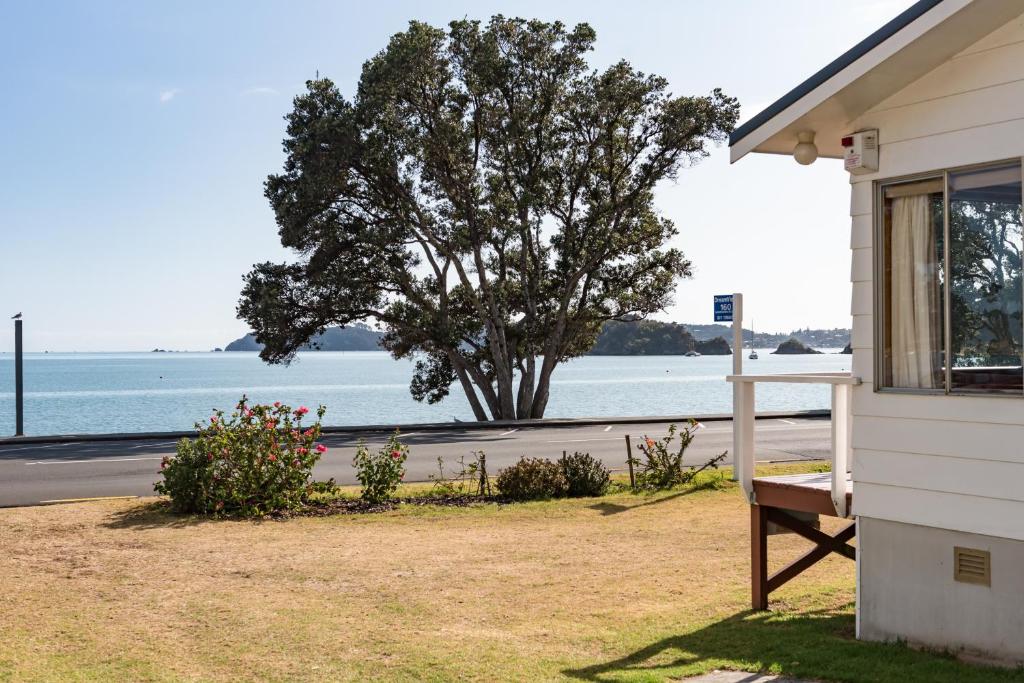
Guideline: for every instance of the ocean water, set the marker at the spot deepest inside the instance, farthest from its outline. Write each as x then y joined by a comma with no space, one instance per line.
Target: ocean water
130,392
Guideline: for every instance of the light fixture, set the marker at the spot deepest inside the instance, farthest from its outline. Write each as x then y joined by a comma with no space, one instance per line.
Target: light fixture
805,152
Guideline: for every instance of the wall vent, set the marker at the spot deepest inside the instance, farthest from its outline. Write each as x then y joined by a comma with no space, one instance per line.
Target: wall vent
972,566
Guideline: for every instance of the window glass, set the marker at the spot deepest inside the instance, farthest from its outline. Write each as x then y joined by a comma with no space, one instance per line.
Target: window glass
986,243
913,234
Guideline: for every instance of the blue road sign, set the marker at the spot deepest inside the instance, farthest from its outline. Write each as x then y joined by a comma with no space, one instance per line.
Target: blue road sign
723,308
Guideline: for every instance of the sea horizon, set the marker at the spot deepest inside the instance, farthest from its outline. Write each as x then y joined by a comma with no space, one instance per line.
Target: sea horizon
103,392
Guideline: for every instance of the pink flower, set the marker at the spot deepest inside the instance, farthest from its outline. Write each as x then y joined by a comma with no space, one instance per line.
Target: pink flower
301,451
271,424
248,413
272,458
320,448
396,454
213,420
301,410
277,404
295,462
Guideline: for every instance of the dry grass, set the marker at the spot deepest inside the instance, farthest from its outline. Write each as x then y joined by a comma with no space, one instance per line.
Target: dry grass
122,591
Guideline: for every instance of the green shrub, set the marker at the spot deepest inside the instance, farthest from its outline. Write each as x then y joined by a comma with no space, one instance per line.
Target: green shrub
257,460
380,473
584,474
532,479
662,467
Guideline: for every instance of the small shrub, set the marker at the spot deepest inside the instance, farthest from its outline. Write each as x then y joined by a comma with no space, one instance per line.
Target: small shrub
662,468
257,460
532,479
584,474
470,480
380,473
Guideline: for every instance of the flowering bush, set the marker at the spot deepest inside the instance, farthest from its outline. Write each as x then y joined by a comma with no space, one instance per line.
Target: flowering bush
662,468
380,473
257,460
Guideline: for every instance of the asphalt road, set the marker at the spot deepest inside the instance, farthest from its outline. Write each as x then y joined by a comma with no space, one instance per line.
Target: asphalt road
31,474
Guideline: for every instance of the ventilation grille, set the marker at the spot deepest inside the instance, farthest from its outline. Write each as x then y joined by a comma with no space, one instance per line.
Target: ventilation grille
972,566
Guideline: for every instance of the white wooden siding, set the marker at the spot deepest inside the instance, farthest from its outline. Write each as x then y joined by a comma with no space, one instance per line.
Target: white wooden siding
945,461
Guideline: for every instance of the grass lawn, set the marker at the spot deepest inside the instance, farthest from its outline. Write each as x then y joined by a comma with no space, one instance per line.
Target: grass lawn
619,588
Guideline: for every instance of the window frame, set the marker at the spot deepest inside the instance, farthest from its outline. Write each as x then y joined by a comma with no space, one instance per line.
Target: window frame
879,292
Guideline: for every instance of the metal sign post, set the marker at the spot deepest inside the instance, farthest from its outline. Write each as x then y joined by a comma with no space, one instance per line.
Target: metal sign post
19,383
729,308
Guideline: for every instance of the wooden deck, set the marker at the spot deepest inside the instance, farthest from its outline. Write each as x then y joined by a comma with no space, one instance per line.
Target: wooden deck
777,498
803,492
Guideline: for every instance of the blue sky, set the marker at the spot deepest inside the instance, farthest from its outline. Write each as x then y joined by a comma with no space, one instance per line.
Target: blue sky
136,138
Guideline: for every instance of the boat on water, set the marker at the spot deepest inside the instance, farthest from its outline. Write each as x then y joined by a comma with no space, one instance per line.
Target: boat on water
753,351
691,354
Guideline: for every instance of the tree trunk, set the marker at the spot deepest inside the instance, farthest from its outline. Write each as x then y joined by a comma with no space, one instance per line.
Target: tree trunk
467,388
524,407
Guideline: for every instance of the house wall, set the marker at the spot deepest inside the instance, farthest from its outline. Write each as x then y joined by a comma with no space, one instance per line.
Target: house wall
934,472
911,594
954,462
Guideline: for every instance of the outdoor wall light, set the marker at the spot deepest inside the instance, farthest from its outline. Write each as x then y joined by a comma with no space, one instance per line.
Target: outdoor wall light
805,152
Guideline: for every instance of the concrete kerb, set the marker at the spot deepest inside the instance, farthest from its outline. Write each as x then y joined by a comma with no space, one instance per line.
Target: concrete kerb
424,427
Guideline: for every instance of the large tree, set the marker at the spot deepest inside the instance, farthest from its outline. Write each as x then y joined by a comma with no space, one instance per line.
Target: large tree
485,196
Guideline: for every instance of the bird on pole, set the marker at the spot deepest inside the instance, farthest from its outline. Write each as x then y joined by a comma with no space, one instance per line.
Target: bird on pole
16,317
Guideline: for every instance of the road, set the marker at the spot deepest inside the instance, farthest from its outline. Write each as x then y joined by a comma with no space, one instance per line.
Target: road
31,474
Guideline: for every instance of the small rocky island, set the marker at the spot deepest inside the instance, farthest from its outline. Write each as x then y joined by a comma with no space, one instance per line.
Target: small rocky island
794,346
848,349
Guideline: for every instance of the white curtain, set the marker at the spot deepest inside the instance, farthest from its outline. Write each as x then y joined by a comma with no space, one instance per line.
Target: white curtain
914,293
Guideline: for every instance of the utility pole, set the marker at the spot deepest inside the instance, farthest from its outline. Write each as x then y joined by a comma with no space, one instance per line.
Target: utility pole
19,381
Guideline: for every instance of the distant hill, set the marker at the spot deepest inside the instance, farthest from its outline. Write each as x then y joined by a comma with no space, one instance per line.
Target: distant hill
356,337
617,338
835,338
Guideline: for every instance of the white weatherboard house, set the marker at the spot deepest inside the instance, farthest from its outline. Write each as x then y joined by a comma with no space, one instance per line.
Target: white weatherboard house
927,114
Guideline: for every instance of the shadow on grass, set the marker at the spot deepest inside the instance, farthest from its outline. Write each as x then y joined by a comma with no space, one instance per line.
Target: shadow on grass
607,509
153,515
817,645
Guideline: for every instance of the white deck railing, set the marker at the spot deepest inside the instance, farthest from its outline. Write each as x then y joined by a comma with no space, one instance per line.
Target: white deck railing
842,418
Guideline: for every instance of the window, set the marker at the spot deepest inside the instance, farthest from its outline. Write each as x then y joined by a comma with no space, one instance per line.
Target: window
951,282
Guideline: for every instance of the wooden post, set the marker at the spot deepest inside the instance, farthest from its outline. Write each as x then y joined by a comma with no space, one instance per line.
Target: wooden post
840,445
758,557
19,382
629,461
737,368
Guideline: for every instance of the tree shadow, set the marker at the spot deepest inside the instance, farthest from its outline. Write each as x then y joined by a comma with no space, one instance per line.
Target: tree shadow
155,514
818,644
607,509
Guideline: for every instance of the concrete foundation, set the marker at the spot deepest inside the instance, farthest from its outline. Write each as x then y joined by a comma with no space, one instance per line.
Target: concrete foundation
908,591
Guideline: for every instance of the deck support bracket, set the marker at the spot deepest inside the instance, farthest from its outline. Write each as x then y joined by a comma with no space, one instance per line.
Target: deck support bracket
761,583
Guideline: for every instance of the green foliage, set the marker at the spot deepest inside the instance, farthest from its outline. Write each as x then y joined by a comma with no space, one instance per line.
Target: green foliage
662,467
419,203
584,474
533,479
380,473
257,460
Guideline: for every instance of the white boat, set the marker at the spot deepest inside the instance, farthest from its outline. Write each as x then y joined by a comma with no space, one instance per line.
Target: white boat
753,351
691,354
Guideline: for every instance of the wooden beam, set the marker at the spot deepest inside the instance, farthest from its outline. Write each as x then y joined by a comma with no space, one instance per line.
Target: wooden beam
836,544
759,557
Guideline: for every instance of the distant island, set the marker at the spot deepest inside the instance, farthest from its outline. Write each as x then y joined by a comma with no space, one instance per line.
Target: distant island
617,338
653,338
794,346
